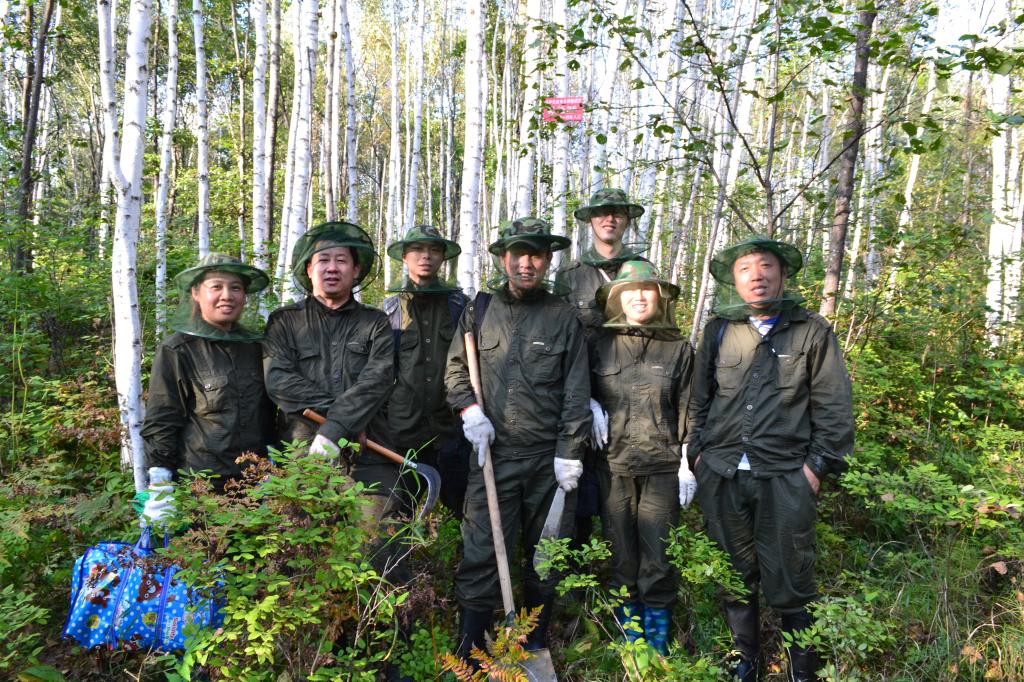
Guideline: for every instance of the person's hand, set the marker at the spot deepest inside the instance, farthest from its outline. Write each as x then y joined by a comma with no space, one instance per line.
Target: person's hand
567,473
478,430
687,482
812,479
322,445
158,505
599,427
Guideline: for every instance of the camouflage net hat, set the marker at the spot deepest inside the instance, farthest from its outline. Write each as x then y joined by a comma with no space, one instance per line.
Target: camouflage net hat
609,198
187,317
254,278
533,231
424,234
328,236
632,274
788,255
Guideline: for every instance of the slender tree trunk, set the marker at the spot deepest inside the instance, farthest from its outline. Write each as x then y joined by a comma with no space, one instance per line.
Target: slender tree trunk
848,164
560,167
35,69
472,160
169,120
127,178
1003,240
203,141
527,147
270,138
350,121
259,135
394,148
417,113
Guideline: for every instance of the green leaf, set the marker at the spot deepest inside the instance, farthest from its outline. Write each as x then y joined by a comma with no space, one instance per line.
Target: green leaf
41,673
909,128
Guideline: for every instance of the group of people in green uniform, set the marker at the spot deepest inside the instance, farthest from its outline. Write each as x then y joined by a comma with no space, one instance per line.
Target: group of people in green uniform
585,384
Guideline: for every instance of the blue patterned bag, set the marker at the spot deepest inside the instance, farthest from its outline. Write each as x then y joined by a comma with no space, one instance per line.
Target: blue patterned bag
125,595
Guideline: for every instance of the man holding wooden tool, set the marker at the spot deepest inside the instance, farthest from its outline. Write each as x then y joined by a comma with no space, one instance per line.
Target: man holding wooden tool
535,390
335,356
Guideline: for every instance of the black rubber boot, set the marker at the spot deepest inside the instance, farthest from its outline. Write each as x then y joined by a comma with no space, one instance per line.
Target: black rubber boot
745,624
803,663
472,626
538,638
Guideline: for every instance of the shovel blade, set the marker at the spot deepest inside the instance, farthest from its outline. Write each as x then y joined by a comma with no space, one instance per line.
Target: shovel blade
539,668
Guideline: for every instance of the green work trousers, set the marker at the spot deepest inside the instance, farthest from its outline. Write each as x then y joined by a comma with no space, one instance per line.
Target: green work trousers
525,488
637,515
766,525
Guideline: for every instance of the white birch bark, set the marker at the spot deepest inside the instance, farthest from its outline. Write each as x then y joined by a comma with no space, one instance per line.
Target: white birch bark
560,165
417,117
334,135
169,118
352,198
394,148
1003,239
609,67
527,148
203,136
269,137
306,61
472,160
127,178
285,241
259,135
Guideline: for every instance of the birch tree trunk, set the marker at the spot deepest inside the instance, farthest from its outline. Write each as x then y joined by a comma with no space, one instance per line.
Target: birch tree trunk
560,167
350,121
203,138
306,73
259,134
848,165
126,164
417,118
169,118
472,160
395,147
1003,239
270,137
527,148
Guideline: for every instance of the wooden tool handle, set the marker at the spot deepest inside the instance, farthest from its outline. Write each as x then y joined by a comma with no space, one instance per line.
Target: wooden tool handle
493,510
314,416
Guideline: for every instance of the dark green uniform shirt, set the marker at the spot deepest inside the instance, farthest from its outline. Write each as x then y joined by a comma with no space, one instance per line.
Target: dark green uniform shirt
337,362
642,379
534,371
206,405
784,399
417,410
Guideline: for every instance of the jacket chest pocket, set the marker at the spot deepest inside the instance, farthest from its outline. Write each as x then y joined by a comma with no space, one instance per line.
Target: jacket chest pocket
491,354
543,358
791,374
213,394
664,378
607,382
356,355
729,373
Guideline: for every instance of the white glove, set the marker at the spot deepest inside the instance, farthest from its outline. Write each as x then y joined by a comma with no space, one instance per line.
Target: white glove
599,427
159,504
567,473
322,445
687,482
478,429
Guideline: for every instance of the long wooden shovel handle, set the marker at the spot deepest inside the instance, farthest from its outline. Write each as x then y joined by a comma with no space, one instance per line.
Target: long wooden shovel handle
314,416
493,510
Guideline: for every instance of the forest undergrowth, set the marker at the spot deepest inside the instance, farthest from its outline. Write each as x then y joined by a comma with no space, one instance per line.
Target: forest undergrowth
921,544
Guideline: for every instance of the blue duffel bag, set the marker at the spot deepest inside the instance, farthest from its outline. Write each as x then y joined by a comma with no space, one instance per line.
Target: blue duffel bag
125,595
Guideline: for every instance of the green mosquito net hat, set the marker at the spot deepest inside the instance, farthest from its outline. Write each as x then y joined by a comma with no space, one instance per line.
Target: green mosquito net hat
634,274
328,236
533,233
400,280
609,198
187,317
728,302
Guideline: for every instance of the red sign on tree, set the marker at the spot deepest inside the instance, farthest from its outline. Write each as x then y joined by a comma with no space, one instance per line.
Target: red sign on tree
563,109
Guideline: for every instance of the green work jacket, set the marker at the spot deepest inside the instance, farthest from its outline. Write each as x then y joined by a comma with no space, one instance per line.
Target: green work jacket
642,380
423,326
582,281
206,405
785,400
536,384
339,362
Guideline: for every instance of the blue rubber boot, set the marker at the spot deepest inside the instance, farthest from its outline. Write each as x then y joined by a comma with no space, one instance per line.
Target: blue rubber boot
630,617
656,626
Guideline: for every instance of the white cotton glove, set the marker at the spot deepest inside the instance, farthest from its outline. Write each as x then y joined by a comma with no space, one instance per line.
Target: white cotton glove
599,427
322,445
567,473
478,430
687,481
159,505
